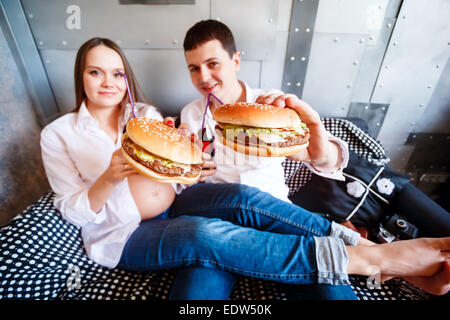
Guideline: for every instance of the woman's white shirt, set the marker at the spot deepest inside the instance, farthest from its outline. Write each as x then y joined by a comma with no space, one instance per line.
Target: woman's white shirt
75,152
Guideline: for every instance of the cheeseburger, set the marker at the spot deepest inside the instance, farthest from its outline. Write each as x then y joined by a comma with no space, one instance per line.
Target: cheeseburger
160,152
260,129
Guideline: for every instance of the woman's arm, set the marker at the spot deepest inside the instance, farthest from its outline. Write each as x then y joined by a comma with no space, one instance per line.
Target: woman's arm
102,189
72,197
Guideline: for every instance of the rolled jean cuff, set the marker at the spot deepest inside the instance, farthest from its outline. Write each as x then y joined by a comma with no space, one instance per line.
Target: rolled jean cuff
350,237
332,261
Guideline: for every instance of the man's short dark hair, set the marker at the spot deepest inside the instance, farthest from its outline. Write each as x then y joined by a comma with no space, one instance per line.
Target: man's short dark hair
207,30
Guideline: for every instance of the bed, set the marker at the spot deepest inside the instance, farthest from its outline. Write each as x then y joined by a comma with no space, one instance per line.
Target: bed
42,255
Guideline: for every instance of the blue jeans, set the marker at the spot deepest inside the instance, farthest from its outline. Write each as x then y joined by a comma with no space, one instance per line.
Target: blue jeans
200,283
240,229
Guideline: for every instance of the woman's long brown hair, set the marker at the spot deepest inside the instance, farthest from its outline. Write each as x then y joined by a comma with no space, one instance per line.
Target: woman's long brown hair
136,92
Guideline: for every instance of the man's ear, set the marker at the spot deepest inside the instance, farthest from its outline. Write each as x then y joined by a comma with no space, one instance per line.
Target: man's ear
237,61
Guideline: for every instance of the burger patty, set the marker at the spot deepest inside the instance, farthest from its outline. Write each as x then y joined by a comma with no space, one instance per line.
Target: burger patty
254,141
157,166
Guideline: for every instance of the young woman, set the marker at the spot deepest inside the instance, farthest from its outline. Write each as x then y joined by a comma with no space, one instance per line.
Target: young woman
134,223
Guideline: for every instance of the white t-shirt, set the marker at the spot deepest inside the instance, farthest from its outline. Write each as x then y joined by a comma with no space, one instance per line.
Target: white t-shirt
75,152
265,173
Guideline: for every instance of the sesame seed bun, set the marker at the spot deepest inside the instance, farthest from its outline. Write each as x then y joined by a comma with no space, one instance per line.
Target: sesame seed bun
163,141
257,115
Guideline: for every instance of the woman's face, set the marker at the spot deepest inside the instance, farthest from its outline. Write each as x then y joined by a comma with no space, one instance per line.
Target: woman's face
103,82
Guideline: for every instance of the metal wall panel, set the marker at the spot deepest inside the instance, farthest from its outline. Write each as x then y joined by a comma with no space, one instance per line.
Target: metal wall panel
253,23
20,41
272,71
152,37
410,73
132,26
332,70
299,46
437,113
352,17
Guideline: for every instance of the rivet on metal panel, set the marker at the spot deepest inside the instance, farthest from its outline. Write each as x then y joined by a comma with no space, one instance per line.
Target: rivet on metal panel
438,66
288,84
383,108
421,105
41,43
355,63
242,53
336,39
349,86
308,30
298,84
303,59
429,86
296,30
403,17
378,124
147,42
174,41
371,38
362,40
388,25
218,19
386,66
366,107
395,43
292,58
270,20
381,85
413,123
31,16
64,43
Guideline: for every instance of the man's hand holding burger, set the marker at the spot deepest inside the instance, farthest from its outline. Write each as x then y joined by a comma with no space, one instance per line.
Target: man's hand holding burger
321,153
209,165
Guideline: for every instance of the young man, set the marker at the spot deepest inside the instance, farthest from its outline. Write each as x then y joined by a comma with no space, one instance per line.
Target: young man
213,61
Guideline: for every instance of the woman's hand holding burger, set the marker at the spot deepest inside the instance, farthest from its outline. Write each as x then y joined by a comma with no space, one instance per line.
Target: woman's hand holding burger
323,154
209,165
118,168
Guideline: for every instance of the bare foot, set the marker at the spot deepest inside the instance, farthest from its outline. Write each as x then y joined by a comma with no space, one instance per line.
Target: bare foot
439,284
409,258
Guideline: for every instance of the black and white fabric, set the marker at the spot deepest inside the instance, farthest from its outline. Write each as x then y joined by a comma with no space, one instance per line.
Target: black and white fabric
359,141
365,197
42,257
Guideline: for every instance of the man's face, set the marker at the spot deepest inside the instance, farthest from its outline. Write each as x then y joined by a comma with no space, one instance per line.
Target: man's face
213,71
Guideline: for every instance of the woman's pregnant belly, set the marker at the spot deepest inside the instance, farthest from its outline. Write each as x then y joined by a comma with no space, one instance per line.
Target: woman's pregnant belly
151,197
